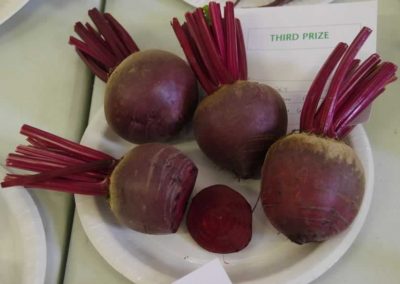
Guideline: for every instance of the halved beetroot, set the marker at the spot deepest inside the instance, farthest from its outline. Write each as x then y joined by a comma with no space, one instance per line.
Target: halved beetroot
220,219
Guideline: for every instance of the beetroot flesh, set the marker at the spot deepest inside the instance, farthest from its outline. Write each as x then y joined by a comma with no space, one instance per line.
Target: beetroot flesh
312,183
238,120
148,188
219,219
236,125
150,95
312,187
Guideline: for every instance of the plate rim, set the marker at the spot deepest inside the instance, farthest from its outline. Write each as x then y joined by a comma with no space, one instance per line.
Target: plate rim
13,7
311,274
35,227
191,3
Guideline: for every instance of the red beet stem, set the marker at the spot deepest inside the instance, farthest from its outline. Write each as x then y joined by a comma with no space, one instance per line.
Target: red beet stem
96,43
218,59
126,39
350,73
345,130
96,34
60,164
314,94
241,51
214,58
202,47
108,34
352,89
84,49
106,48
215,49
327,109
192,57
217,28
29,180
49,157
357,76
372,87
231,40
41,164
94,66
72,148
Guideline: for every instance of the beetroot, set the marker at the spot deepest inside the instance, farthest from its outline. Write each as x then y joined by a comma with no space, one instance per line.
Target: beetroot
150,95
312,187
312,182
148,188
220,219
238,120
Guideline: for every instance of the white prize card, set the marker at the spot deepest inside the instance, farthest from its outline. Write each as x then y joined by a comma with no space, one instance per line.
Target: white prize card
287,45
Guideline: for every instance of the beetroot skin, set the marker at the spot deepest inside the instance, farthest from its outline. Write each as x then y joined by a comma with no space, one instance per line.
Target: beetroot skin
219,219
150,96
313,183
147,189
236,125
238,121
150,186
312,187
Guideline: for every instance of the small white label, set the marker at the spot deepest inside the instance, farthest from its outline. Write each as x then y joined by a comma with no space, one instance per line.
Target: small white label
210,273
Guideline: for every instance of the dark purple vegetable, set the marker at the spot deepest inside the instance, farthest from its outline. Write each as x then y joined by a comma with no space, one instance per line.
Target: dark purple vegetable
150,95
312,182
148,188
238,120
220,219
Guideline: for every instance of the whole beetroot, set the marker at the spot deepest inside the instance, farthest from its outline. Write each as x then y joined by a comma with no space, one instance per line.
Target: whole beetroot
236,125
150,95
238,120
312,182
312,187
148,188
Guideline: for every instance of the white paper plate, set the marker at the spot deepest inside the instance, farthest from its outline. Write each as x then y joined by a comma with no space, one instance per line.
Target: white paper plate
22,238
9,8
255,3
269,258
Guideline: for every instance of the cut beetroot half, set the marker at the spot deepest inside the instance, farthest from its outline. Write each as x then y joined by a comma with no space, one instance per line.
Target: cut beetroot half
220,219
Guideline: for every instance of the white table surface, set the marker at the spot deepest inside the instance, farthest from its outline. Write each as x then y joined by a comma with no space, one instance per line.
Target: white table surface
375,255
43,83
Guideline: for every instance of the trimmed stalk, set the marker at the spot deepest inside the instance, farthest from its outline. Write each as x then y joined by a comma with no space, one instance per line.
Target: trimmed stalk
354,86
104,49
327,109
60,164
215,50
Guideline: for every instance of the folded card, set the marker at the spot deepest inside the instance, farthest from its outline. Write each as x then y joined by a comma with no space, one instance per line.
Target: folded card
287,45
210,273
